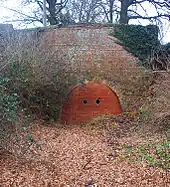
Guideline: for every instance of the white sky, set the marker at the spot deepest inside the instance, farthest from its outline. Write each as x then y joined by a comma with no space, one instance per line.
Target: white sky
6,14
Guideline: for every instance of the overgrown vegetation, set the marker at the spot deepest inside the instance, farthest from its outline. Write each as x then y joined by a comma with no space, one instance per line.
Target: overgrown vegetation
138,39
36,77
34,81
9,101
155,155
40,76
142,42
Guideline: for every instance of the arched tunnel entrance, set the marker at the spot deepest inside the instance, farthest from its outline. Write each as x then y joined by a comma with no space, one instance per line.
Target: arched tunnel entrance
89,101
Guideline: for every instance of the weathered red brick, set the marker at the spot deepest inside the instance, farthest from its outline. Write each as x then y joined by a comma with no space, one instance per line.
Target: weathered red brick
88,101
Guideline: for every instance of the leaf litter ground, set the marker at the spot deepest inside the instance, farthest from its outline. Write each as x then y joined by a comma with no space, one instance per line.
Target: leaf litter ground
81,155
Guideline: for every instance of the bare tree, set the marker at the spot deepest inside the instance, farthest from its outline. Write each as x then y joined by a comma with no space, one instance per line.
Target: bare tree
129,10
109,9
24,17
70,11
85,11
111,5
54,9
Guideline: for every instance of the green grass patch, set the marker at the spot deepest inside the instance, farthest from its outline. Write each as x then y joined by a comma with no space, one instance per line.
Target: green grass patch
155,155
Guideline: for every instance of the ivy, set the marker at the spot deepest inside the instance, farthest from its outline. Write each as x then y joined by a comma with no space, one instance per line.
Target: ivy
9,101
137,39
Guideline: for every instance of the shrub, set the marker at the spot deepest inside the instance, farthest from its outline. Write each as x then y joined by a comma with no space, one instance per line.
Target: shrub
40,76
159,58
9,102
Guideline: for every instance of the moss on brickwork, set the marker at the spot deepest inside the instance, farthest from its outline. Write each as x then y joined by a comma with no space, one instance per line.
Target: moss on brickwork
137,39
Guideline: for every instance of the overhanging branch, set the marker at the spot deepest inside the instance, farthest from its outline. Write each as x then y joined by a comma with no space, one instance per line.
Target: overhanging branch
150,17
21,13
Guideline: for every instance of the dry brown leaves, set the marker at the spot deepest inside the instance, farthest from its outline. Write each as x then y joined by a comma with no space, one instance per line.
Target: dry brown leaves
79,156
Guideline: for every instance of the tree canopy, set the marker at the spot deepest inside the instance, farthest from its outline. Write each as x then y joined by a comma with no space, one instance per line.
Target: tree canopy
129,10
69,12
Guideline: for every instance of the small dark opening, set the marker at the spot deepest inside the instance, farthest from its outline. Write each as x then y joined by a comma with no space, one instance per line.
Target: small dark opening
98,101
85,101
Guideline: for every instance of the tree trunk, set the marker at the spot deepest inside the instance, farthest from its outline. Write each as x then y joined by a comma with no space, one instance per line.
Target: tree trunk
111,11
52,10
124,12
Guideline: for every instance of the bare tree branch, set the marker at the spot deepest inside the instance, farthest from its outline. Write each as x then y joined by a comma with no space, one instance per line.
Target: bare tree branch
150,17
22,14
162,7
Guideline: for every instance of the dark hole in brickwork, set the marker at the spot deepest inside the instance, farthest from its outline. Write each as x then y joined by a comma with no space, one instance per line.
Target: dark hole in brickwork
85,101
98,101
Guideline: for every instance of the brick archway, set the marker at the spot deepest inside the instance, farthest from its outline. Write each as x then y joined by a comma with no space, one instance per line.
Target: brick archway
89,101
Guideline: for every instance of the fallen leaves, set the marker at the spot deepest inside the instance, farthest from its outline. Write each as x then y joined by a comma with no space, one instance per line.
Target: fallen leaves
79,156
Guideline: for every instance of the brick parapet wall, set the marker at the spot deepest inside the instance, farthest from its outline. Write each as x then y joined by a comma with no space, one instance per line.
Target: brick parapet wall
87,44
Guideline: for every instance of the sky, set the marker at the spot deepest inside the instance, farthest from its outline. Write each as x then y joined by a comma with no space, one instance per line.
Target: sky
9,15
